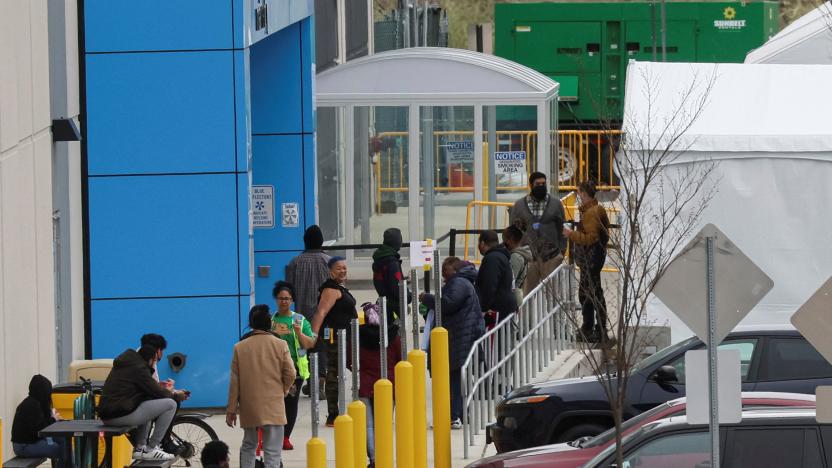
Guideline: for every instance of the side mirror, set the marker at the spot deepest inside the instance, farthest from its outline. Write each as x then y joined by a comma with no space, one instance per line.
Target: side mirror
666,374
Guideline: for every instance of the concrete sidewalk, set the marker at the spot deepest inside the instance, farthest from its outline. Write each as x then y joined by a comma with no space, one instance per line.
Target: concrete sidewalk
566,365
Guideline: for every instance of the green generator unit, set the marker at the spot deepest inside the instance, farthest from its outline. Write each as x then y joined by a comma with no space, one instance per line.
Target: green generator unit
586,46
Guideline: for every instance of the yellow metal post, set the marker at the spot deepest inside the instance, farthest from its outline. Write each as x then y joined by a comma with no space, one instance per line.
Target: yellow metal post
404,415
383,418
316,453
441,378
358,413
418,359
344,444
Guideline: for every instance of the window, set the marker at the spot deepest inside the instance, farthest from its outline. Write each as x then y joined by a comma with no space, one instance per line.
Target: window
686,450
793,358
767,447
745,347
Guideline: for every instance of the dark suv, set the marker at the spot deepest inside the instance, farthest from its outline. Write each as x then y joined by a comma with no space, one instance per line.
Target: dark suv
772,360
765,437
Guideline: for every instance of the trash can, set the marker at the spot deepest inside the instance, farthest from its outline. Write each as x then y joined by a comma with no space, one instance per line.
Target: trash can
63,400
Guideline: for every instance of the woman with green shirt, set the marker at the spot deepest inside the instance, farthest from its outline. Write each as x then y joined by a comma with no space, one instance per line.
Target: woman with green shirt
297,332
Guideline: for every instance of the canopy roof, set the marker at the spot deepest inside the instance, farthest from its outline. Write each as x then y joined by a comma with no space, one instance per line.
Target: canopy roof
807,40
432,76
760,108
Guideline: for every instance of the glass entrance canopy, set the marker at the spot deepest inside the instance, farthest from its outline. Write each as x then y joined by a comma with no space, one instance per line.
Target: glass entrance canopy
408,138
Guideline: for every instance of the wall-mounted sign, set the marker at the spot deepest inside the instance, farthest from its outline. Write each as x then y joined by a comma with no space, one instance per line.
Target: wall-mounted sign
262,206
509,162
459,151
289,215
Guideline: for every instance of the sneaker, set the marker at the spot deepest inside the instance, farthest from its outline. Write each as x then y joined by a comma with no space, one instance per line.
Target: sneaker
330,421
287,444
456,424
157,454
305,389
138,452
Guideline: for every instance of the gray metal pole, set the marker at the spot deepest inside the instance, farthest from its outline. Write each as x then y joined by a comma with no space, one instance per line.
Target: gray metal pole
313,391
342,372
383,338
491,127
414,308
428,173
712,351
403,316
355,364
664,31
425,24
437,289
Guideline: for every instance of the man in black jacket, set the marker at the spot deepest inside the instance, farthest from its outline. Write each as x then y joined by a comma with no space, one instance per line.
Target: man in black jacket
387,272
131,397
494,280
33,414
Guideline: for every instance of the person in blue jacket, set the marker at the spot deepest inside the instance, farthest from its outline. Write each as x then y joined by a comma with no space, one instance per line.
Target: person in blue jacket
462,317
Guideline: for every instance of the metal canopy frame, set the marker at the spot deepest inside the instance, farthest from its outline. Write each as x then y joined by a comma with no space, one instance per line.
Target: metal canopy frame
432,76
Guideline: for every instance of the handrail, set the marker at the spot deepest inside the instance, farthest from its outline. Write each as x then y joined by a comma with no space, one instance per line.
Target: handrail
511,360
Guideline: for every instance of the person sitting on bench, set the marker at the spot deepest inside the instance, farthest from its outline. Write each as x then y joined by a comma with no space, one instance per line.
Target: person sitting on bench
131,397
33,414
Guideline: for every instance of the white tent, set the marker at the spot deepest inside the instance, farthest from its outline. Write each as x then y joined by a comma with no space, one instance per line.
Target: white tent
767,127
808,40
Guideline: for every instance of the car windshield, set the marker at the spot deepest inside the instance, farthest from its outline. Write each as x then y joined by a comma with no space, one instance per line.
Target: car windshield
609,434
649,361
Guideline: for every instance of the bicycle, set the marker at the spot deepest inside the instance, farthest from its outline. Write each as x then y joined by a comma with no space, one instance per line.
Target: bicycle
189,432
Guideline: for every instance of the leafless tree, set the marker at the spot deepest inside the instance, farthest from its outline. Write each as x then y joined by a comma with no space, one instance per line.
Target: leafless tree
661,202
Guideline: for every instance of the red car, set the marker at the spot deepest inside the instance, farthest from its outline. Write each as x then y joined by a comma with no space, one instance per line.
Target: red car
574,454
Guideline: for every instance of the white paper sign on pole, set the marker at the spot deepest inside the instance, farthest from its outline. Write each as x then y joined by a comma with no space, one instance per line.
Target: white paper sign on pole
729,386
421,253
459,151
509,162
262,204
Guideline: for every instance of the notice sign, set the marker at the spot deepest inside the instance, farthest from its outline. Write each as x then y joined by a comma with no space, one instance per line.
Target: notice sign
262,204
459,151
421,254
289,218
509,162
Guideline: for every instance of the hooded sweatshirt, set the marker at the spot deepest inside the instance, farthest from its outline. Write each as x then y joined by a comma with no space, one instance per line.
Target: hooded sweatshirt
494,281
387,275
129,384
34,413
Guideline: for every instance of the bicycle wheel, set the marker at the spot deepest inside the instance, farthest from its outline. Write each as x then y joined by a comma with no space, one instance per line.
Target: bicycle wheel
194,432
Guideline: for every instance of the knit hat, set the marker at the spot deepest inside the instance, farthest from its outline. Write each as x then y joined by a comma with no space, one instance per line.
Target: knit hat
313,238
393,238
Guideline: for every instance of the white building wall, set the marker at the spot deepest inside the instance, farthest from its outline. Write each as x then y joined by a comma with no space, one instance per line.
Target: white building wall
27,316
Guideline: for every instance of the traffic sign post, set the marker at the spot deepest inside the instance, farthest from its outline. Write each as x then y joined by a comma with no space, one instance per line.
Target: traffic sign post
681,289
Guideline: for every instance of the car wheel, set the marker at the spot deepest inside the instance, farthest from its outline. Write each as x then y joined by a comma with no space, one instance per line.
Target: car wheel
579,431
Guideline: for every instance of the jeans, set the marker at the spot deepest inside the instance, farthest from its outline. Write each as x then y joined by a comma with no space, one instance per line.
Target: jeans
272,446
159,411
456,394
49,448
371,433
591,294
291,404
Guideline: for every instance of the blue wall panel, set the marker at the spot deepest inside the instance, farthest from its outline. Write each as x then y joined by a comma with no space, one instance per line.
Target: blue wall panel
276,100
307,30
239,31
310,180
199,328
240,110
163,236
263,286
278,161
160,113
148,25
242,227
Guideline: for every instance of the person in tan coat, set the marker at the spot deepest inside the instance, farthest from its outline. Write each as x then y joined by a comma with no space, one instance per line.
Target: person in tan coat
262,373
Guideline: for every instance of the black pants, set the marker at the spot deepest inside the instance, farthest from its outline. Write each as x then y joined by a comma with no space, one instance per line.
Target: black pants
456,394
331,383
591,294
291,403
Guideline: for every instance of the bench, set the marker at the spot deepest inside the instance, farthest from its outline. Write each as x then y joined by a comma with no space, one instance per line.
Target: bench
150,463
20,462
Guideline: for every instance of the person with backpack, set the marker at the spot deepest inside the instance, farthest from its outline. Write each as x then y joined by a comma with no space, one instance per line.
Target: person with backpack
521,255
293,328
590,250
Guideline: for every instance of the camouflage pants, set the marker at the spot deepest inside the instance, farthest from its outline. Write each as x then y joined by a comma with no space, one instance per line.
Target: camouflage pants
331,381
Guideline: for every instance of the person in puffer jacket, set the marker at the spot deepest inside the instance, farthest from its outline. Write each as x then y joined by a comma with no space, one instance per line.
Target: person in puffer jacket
462,317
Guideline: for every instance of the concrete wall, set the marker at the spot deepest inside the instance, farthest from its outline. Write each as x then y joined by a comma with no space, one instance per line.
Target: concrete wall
27,318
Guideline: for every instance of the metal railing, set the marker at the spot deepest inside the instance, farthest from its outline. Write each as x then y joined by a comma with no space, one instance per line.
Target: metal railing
517,349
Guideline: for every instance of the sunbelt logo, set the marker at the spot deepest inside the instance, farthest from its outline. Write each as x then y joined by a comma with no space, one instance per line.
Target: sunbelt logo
729,22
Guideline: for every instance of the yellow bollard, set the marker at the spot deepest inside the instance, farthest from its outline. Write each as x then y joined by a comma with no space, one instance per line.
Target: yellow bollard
316,453
358,413
404,415
418,359
383,418
344,445
441,377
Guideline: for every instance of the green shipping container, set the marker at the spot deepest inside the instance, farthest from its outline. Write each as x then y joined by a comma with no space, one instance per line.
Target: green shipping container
586,46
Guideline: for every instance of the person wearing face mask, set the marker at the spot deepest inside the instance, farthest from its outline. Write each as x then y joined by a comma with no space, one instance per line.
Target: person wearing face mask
540,216
336,309
387,272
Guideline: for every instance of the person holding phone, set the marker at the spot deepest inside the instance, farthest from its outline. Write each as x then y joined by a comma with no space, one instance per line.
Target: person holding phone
297,332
